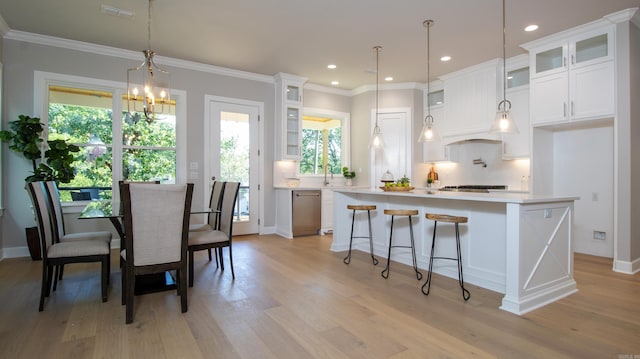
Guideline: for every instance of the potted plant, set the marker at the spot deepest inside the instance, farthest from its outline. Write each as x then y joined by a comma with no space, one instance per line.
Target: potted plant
24,136
349,175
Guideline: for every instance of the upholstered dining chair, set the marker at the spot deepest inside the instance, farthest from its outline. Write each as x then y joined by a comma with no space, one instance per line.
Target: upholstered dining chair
156,224
213,218
53,194
57,253
216,238
215,203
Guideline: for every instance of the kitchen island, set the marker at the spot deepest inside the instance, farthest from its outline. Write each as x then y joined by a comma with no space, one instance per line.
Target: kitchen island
514,243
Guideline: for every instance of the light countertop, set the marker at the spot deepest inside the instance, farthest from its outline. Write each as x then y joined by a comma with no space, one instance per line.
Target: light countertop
494,196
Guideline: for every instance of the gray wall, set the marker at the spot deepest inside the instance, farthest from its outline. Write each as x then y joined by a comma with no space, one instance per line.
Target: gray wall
21,59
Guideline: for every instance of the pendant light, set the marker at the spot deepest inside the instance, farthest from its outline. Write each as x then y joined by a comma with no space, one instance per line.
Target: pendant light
154,96
376,136
428,132
503,122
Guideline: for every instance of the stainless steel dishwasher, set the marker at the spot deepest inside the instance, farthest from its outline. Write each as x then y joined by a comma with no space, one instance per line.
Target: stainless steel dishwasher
306,209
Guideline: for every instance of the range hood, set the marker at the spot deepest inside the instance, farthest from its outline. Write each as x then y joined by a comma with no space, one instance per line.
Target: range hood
472,137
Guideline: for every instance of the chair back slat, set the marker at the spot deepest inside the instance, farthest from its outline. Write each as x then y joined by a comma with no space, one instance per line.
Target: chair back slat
229,197
56,206
155,222
215,202
41,206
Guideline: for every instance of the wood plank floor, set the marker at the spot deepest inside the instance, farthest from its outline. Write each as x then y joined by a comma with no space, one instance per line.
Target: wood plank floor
296,299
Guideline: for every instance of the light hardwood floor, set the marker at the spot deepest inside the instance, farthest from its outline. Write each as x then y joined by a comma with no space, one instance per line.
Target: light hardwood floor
296,299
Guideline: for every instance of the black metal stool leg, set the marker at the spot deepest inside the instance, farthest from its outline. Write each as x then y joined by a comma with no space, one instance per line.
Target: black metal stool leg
386,269
347,259
465,293
373,258
433,245
413,251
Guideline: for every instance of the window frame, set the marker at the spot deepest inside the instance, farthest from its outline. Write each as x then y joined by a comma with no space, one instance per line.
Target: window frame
345,120
42,81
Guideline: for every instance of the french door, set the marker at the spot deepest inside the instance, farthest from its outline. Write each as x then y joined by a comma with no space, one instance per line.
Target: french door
234,156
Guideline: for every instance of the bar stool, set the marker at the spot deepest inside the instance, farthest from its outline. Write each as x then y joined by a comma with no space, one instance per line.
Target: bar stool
450,219
408,213
355,208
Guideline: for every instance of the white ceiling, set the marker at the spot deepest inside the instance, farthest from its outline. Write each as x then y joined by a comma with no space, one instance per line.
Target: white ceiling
301,37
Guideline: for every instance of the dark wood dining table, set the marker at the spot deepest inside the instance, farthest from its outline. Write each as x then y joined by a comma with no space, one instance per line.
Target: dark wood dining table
149,283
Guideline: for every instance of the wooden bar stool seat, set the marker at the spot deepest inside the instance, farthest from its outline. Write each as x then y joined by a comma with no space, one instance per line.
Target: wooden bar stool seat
401,212
456,220
361,207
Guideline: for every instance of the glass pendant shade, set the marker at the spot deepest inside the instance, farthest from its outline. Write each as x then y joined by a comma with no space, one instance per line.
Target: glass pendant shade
376,137
428,131
503,122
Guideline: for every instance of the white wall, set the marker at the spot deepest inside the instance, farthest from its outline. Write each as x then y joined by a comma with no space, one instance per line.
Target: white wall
583,167
21,58
464,172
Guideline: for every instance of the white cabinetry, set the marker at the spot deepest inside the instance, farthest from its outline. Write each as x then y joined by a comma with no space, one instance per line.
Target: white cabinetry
470,102
288,116
517,145
572,76
327,211
437,150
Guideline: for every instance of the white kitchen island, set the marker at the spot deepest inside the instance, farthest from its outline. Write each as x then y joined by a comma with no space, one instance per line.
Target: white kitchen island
514,243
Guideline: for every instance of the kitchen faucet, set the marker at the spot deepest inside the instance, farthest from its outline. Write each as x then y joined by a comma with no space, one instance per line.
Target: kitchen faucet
325,175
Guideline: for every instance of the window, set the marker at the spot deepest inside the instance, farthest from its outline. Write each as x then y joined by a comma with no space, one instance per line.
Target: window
114,145
324,135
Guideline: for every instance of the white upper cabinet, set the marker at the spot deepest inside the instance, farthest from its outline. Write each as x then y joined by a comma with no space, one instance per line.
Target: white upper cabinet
437,150
516,145
572,75
288,116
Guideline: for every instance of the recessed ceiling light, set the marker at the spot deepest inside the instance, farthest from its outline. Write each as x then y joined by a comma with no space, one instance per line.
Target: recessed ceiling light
331,66
530,28
335,83
445,58
388,78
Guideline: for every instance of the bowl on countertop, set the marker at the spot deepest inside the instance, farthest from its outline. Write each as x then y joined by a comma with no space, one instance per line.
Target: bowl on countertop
293,182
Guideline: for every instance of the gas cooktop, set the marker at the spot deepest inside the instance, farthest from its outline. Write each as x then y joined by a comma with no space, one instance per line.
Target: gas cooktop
473,188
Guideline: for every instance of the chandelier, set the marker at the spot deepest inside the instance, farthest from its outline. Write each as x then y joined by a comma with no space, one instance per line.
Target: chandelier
148,85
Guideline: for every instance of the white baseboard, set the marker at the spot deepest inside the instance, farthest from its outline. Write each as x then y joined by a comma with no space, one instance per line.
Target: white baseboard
626,267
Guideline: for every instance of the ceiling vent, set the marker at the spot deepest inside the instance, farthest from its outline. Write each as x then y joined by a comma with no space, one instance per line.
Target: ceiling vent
114,11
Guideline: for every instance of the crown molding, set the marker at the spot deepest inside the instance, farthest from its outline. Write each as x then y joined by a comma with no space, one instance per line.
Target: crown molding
131,55
4,27
327,89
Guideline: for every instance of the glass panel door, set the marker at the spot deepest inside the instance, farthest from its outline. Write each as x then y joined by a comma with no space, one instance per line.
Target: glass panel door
237,146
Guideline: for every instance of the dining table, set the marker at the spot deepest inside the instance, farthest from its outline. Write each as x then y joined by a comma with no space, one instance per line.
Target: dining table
147,283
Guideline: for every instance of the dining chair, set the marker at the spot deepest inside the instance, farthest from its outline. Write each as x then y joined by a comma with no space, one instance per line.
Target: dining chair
215,203
57,253
213,218
216,238
53,193
156,224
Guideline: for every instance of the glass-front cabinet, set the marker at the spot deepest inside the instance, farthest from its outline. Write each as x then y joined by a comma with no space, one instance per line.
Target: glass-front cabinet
289,116
572,76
